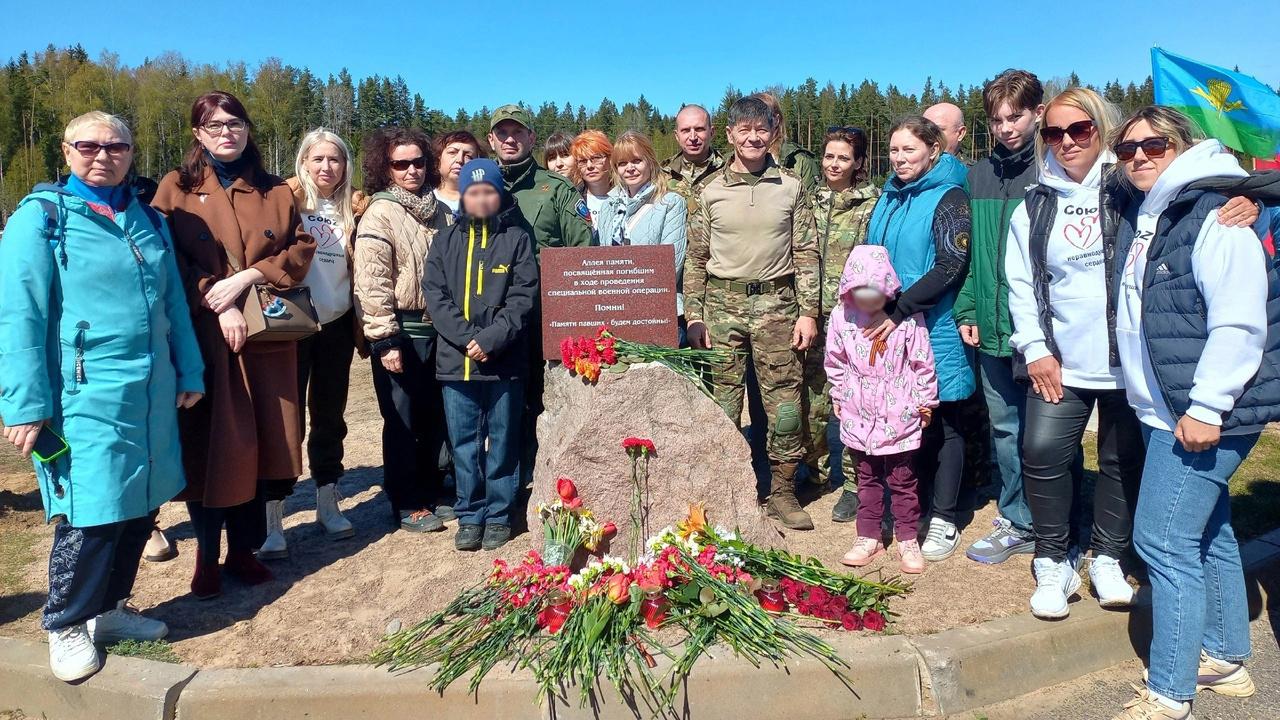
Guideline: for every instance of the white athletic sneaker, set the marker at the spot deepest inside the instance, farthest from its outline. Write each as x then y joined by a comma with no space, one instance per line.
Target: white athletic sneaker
336,527
124,623
274,547
72,655
941,541
1055,582
1108,582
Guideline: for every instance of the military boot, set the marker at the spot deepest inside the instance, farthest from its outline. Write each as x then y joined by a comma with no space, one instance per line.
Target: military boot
783,505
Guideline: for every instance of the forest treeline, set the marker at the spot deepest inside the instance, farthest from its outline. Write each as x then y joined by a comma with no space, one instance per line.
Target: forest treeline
40,92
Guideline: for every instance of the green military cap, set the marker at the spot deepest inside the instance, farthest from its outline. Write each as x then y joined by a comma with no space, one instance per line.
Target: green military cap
511,112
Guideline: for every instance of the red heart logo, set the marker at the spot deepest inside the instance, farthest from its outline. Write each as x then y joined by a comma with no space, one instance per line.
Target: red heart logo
1082,236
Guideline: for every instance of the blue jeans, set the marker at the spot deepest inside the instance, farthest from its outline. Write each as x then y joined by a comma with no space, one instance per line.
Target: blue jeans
1183,531
1007,406
487,480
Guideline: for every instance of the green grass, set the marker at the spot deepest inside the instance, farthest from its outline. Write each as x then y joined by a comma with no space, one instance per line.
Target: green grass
16,553
1255,488
157,650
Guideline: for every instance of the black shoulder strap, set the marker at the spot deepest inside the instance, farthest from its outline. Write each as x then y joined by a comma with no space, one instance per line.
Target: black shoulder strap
154,216
50,215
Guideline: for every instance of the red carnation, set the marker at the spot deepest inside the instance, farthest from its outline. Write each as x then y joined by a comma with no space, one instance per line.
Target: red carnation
566,352
566,489
873,621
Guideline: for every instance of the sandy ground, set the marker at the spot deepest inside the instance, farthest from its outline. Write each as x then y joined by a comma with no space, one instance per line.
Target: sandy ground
332,601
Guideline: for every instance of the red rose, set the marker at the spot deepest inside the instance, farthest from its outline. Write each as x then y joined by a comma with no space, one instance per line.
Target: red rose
566,489
873,621
851,621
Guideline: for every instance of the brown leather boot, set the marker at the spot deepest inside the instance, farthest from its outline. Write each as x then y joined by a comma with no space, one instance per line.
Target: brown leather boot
783,505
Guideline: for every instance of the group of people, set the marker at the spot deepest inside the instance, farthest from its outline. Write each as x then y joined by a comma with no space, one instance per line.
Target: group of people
1087,263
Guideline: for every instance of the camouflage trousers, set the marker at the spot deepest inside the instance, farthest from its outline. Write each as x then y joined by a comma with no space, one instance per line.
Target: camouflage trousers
758,328
817,401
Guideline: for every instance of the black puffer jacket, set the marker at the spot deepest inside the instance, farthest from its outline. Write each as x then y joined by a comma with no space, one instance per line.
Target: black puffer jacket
481,283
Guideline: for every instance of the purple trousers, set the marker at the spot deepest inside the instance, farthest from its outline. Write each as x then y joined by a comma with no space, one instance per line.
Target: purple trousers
895,471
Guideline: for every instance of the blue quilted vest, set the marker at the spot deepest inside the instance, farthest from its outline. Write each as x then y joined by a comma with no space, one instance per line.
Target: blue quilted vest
903,223
1174,315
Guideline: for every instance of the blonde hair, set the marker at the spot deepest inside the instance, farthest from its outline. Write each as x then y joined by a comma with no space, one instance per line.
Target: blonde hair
780,122
96,118
1104,115
1166,122
634,144
342,193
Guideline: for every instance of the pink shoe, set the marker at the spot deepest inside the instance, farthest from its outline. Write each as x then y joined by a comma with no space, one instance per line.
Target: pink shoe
864,550
912,562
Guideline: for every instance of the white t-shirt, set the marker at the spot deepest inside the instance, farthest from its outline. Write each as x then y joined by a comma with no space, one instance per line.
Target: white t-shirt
328,277
451,203
595,203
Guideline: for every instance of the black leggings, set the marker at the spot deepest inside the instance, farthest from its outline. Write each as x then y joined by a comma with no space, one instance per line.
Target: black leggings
940,461
1050,445
246,527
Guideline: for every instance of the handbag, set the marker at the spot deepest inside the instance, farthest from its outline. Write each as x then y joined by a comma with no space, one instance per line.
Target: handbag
277,315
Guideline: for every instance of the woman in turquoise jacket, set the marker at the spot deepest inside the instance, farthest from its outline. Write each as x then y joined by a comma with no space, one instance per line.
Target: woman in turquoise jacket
96,342
923,219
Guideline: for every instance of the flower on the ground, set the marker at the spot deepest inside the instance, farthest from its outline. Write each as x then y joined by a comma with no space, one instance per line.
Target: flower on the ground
618,588
873,620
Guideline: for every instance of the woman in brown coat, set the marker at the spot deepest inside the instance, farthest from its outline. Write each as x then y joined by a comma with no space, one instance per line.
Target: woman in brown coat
234,226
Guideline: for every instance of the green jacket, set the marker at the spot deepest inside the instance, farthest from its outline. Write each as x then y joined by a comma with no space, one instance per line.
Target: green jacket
997,186
684,178
795,158
842,220
547,206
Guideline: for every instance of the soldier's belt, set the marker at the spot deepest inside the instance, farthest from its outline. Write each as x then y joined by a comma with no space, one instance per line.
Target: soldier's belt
752,287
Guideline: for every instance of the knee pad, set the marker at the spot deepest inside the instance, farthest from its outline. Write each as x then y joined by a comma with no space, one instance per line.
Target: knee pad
788,421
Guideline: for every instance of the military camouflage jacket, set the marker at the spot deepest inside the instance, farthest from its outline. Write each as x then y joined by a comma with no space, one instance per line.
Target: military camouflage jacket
685,178
841,219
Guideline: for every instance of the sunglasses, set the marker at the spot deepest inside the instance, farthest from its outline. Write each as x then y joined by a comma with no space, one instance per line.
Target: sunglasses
89,149
402,165
1152,147
1079,132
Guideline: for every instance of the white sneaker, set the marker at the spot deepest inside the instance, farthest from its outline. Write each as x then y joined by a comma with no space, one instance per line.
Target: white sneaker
1109,583
941,541
124,624
274,547
1055,582
72,655
336,527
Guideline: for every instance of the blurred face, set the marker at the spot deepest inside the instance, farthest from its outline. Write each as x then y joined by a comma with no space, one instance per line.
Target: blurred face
909,156
869,300
693,132
408,167
326,166
224,135
452,158
99,156
1143,169
481,200
511,141
838,164
1076,156
635,172
594,171
1014,127
750,140
563,164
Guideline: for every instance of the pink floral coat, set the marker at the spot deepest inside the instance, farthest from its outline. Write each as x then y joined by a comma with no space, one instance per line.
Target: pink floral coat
878,401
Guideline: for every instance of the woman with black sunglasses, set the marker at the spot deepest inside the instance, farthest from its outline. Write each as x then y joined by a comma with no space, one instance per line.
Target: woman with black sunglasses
392,240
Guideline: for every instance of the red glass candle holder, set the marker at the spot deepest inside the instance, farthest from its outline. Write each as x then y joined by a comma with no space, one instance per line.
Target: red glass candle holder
654,608
559,605
770,596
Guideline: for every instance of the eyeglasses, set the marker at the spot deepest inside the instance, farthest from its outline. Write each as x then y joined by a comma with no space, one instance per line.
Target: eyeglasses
1152,147
594,160
402,165
215,127
89,149
1079,132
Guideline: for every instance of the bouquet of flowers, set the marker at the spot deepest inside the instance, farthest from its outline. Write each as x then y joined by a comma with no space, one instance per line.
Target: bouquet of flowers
586,356
567,525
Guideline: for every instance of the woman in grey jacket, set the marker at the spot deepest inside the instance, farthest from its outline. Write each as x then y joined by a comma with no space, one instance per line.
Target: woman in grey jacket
639,212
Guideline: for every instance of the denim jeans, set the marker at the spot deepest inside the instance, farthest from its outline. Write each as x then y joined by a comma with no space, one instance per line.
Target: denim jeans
1183,531
487,473
1007,407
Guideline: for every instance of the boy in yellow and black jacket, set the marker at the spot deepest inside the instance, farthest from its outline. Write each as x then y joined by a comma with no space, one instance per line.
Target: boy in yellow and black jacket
481,284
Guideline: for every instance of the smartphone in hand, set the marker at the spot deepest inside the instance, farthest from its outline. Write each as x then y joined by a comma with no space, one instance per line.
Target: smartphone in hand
49,445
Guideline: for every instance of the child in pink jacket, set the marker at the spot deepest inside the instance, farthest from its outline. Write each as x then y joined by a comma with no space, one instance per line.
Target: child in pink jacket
884,392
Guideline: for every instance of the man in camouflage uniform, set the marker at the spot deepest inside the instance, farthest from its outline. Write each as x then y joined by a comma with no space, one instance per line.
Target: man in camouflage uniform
841,218
547,202
751,286
697,160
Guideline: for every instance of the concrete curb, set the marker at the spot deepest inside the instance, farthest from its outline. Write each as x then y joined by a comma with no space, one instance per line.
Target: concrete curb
891,677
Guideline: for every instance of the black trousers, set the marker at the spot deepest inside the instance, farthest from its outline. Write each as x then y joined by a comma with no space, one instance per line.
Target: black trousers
324,377
91,569
414,448
1050,446
940,460
246,526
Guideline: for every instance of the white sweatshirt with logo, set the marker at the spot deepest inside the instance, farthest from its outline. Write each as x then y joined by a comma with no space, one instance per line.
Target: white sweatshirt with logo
1077,281
329,277
1229,266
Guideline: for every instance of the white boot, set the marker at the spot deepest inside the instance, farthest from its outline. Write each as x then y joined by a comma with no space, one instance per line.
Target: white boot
336,527
274,547
72,655
158,548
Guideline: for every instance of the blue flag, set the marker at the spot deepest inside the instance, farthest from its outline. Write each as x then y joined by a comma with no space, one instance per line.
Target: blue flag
1233,107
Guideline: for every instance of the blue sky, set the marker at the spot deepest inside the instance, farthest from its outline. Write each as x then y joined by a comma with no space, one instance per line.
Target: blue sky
477,52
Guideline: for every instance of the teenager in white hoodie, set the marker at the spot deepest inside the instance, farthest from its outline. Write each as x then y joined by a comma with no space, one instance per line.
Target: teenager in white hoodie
1192,330
1059,253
